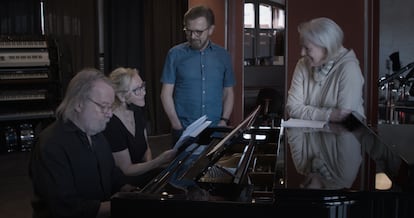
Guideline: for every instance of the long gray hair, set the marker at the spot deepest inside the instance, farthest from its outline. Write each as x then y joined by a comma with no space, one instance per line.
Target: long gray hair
78,91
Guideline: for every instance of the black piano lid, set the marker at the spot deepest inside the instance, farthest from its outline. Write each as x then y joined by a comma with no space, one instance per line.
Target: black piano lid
400,138
349,157
193,162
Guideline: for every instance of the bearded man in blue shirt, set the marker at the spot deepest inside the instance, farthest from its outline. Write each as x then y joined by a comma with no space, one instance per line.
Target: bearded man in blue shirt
198,77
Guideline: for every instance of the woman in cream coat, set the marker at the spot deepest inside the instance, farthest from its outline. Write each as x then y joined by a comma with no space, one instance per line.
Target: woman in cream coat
327,82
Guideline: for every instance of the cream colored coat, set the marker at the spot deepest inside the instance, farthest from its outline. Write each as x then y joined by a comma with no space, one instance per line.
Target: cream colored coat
312,97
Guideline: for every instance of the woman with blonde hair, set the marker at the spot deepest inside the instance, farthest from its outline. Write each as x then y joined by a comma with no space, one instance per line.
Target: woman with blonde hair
126,131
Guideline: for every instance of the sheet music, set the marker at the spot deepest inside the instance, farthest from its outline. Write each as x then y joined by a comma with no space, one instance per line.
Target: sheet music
303,123
193,130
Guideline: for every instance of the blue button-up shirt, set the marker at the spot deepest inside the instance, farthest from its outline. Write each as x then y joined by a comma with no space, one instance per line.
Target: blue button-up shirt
199,78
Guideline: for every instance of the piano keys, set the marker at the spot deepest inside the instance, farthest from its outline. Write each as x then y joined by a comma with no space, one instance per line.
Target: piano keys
24,53
23,95
23,44
27,73
23,76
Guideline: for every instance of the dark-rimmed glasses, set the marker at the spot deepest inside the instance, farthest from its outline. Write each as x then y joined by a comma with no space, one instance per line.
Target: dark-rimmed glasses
104,109
139,90
197,33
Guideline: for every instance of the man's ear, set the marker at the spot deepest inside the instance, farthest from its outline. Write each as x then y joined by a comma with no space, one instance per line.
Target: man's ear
211,29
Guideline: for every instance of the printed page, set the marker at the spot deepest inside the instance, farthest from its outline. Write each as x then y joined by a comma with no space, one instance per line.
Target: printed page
303,123
193,130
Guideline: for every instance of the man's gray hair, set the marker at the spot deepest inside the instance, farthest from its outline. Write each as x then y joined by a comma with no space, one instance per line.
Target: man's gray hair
78,91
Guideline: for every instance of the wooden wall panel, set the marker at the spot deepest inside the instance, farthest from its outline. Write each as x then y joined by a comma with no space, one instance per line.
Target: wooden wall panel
233,23
219,13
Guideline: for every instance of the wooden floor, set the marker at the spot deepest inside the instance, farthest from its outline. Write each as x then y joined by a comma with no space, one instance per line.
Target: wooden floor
15,186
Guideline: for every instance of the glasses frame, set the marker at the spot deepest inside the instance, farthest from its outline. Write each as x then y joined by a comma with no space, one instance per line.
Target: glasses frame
140,89
197,33
103,109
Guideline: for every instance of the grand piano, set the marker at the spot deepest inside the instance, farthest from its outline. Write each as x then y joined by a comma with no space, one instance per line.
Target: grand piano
340,170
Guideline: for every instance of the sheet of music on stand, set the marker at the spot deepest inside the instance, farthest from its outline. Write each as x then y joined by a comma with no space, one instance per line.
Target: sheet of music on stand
193,130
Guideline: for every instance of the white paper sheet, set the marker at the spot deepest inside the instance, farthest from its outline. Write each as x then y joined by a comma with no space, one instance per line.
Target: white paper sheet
303,123
193,130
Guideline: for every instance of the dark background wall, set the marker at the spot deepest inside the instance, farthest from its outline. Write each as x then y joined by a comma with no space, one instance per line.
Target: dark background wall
139,33
136,34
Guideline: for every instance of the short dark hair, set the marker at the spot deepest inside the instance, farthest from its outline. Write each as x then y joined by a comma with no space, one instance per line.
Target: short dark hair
199,11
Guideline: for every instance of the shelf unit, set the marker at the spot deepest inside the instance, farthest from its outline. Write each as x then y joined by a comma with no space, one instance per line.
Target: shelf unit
30,89
264,50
